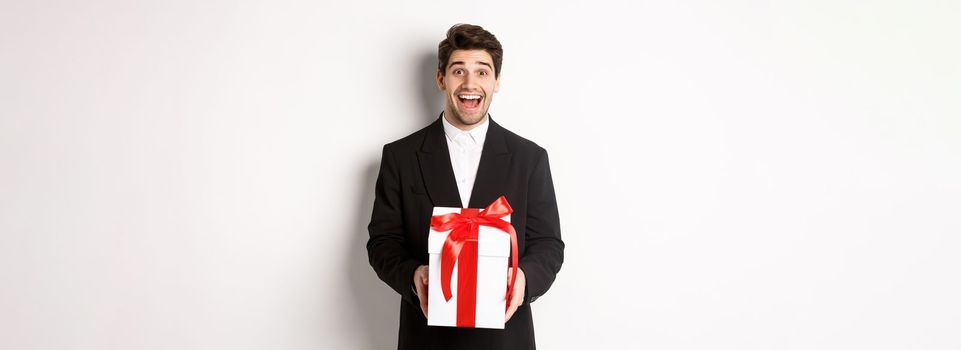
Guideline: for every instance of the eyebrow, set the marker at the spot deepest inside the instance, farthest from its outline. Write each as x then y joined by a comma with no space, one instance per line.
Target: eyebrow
462,62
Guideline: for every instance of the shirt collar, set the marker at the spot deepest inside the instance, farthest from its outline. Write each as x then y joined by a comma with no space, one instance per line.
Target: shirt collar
478,133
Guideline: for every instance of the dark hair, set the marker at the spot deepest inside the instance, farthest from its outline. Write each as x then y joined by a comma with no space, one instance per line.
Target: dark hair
469,37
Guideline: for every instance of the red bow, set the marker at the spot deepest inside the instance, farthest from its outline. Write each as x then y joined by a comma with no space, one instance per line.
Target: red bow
464,227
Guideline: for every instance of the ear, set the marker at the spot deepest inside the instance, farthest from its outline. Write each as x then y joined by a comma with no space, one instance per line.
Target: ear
440,81
497,84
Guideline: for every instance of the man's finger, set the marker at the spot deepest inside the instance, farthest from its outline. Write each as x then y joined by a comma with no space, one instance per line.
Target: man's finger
511,309
422,298
510,312
517,294
426,291
423,307
513,304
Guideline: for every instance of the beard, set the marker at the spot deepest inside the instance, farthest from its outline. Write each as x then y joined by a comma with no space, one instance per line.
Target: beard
466,119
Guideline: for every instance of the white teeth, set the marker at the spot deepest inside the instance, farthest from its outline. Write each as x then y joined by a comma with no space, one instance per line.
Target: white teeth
469,97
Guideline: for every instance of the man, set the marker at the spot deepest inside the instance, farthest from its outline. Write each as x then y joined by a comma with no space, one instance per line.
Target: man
464,159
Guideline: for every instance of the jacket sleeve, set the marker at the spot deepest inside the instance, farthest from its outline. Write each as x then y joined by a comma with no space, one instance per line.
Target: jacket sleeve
386,247
544,249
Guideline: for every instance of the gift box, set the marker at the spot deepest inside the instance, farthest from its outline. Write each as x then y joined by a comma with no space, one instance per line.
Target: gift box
469,250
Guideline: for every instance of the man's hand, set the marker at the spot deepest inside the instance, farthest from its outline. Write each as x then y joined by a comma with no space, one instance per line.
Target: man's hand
420,285
517,294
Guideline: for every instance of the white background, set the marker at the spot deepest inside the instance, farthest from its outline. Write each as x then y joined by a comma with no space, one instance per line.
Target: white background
730,174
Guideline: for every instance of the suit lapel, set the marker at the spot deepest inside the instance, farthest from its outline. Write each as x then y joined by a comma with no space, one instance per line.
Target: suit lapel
492,171
435,168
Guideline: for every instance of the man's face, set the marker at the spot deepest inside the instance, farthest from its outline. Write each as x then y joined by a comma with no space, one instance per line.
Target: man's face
470,85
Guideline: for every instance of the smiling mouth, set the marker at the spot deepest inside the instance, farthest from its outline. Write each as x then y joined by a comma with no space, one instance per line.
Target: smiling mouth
469,102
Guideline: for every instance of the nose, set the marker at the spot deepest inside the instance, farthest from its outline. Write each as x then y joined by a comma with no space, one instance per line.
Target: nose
468,80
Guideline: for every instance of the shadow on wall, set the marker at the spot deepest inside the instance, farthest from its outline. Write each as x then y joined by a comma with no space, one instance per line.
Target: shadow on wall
378,306
432,100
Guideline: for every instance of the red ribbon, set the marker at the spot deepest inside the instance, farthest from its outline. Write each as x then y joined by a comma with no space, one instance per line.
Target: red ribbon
461,246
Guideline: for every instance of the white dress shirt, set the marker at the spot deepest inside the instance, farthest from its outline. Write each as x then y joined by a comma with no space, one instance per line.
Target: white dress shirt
465,151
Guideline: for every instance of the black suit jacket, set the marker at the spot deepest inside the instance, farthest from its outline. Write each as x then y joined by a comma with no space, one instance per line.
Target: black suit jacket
416,176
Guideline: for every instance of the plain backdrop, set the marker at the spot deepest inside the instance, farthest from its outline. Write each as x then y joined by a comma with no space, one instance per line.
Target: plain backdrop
730,174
